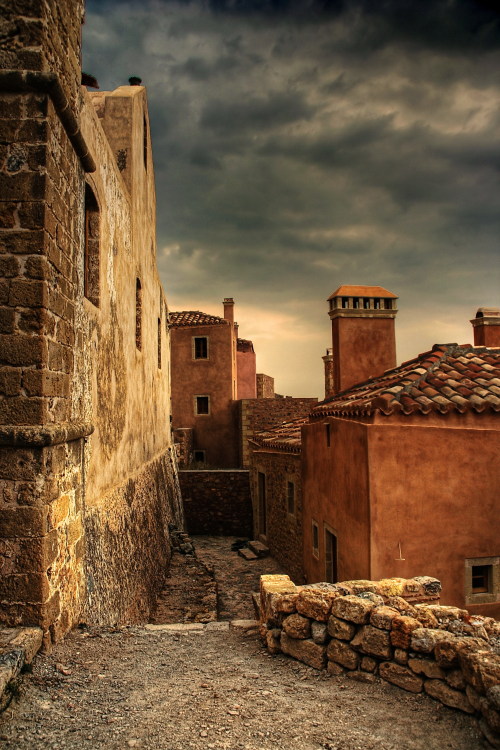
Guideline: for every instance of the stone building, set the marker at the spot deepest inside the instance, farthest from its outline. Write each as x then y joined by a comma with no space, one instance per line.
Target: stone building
397,471
87,475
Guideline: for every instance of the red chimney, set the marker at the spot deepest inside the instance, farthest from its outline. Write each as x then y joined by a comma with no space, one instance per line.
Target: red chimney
229,309
486,326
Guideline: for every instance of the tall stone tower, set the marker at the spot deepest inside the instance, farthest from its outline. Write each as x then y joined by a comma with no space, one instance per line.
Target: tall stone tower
363,338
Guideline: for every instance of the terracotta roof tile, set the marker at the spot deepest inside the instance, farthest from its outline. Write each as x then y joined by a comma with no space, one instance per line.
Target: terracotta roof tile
347,290
194,318
284,437
448,378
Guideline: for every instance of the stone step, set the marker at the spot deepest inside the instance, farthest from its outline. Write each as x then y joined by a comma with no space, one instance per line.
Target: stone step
258,548
247,554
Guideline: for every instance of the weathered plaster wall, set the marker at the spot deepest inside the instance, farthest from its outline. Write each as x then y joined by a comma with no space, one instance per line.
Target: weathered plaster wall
284,529
259,414
441,506
363,347
335,483
217,502
216,432
246,372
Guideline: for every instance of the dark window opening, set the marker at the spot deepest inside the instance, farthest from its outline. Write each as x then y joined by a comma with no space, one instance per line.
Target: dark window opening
376,304
290,497
355,303
481,579
159,343
366,303
138,314
201,347
328,436
199,457
202,404
345,302
91,250
387,304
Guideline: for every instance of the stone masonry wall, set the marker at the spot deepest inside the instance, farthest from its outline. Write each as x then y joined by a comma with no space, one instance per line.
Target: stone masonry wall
260,413
217,502
283,529
393,629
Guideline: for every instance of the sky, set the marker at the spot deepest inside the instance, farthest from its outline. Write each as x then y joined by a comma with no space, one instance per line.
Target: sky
301,145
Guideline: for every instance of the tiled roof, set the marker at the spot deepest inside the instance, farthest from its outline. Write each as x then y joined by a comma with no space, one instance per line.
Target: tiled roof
450,378
361,291
285,436
194,318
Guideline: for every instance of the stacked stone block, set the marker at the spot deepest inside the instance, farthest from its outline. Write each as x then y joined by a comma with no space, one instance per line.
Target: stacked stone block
394,628
217,502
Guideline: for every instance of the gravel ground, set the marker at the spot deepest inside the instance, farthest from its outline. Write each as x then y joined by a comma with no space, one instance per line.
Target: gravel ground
163,690
136,687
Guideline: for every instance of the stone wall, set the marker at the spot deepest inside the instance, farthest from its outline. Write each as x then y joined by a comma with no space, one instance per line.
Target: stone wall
265,385
217,502
283,529
85,445
393,629
261,413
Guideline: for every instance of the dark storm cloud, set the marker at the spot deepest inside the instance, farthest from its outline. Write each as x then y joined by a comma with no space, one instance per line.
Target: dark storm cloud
300,145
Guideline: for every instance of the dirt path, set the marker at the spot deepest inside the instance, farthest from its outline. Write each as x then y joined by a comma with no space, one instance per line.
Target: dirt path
162,688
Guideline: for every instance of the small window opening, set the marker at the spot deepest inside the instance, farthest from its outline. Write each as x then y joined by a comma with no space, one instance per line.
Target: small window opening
328,436
202,404
355,303
199,457
200,347
315,539
345,302
91,250
145,142
290,496
481,579
138,314
376,304
159,343
387,304
366,303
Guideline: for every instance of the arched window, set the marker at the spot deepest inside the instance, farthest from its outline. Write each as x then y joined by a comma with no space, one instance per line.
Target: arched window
138,314
91,250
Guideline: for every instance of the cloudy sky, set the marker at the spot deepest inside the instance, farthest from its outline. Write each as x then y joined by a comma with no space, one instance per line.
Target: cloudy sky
303,145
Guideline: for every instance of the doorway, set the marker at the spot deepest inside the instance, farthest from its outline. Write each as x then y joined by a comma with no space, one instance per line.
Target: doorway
331,574
262,503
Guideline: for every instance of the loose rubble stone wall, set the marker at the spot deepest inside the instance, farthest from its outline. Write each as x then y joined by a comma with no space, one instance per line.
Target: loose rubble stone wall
261,413
394,629
217,502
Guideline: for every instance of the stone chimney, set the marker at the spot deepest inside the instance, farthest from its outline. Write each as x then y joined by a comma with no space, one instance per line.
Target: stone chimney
486,327
329,379
229,309
363,336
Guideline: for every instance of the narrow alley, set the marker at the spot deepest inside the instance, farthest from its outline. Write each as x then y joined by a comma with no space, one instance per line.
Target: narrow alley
200,684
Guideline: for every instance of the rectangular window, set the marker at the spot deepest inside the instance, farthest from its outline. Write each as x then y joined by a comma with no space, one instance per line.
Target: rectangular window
290,497
481,575
315,540
202,404
482,580
200,347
